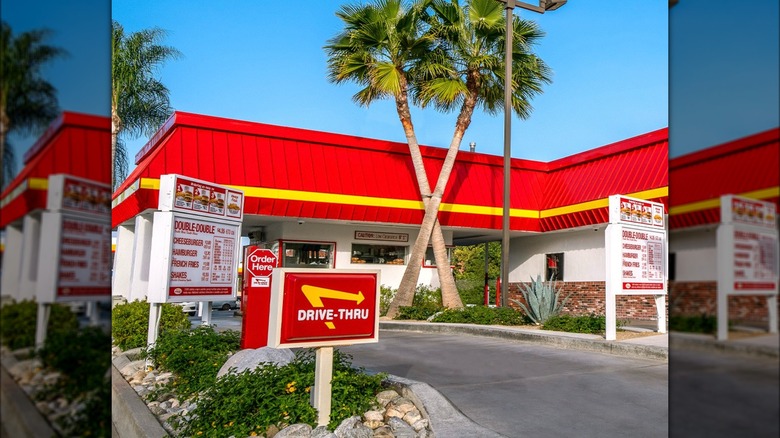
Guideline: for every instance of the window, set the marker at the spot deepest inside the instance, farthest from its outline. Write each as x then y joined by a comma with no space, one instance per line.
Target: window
378,254
554,267
307,254
430,259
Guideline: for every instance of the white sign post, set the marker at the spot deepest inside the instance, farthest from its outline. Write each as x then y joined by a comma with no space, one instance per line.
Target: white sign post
747,246
636,252
195,245
74,262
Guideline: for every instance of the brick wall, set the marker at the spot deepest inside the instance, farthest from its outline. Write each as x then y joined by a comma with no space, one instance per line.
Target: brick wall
685,298
588,297
696,298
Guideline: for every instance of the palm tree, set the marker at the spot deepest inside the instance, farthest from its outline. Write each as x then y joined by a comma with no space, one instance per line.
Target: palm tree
28,103
470,73
382,48
139,101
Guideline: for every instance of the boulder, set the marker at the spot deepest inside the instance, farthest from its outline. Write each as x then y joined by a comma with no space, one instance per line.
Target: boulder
295,431
352,427
252,358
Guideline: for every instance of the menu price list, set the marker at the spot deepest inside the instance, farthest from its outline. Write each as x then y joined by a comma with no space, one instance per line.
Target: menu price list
755,260
85,258
642,256
202,257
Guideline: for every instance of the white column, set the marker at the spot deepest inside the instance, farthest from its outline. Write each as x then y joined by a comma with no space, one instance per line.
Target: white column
12,263
155,311
611,308
323,374
142,254
771,301
123,262
31,239
41,323
723,314
660,306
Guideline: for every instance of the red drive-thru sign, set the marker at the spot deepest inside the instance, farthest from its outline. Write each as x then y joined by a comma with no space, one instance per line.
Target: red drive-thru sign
259,264
317,308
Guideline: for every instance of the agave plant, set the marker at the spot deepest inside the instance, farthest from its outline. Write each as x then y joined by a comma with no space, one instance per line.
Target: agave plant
543,300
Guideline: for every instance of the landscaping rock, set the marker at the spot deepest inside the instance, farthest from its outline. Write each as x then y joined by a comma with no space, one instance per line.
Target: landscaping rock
386,397
252,358
295,431
383,432
373,419
322,432
401,429
352,427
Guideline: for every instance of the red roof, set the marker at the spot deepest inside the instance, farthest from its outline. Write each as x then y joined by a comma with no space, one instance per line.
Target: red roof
75,144
299,173
746,167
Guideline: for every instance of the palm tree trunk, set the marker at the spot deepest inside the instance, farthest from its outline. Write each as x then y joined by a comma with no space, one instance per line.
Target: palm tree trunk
115,126
4,122
405,294
432,208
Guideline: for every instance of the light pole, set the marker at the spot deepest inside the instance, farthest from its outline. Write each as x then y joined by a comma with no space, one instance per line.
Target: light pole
509,6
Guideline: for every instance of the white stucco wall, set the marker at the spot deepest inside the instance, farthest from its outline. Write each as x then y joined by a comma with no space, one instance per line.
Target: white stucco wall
344,237
583,255
695,254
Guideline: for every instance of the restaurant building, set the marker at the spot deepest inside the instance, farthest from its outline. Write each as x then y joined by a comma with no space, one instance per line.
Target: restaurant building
326,200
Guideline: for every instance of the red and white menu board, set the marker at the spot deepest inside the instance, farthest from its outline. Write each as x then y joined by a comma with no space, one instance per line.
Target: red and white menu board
202,257
747,242
740,210
85,258
633,211
642,255
189,195
193,258
67,192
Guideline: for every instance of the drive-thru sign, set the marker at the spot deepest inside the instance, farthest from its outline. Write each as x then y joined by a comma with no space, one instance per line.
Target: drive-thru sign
316,307
322,308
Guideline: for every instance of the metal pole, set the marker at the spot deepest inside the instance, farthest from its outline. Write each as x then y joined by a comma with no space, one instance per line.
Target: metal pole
509,7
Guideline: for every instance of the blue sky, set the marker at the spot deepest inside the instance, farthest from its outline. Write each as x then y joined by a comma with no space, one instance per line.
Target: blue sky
264,62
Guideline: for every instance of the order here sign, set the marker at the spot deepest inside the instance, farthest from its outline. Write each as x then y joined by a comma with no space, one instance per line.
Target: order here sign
315,308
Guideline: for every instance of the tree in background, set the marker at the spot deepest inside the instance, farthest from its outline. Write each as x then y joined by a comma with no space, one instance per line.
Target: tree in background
28,102
139,101
465,72
383,48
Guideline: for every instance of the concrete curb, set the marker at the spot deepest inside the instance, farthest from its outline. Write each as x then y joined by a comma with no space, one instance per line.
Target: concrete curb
570,341
445,419
129,414
680,341
20,416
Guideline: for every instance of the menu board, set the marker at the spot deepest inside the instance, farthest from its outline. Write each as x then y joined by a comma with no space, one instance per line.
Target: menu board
755,260
636,211
203,255
75,194
189,195
748,211
642,259
85,258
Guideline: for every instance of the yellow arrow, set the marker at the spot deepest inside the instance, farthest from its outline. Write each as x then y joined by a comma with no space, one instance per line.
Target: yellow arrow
315,295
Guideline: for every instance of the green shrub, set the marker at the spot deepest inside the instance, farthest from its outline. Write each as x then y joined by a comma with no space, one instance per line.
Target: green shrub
19,318
82,356
418,312
473,292
386,295
426,296
578,324
130,323
483,315
194,356
240,404
694,324
542,300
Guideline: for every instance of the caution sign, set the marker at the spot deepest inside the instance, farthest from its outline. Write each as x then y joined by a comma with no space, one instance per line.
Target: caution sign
315,308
